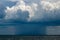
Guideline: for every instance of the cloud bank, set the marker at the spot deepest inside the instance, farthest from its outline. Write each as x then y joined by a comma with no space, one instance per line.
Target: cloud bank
36,10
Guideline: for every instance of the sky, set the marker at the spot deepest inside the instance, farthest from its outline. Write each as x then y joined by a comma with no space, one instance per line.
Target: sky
36,11
45,12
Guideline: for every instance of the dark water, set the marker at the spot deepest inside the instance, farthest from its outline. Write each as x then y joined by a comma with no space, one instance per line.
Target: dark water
23,28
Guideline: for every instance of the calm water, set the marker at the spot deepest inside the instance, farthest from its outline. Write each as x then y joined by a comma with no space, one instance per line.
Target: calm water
27,28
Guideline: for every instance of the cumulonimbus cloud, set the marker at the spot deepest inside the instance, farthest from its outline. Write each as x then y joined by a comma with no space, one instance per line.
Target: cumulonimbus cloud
12,12
51,9
37,10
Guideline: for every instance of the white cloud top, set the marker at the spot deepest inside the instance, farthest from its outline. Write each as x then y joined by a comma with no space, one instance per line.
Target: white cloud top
38,10
50,5
12,12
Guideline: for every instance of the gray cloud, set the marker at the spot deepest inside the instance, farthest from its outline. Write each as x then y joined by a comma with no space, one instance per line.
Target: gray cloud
2,10
41,10
12,12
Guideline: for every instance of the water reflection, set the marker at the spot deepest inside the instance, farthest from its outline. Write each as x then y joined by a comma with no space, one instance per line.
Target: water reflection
23,29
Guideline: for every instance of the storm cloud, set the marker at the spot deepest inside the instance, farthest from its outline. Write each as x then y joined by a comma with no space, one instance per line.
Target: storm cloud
41,10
